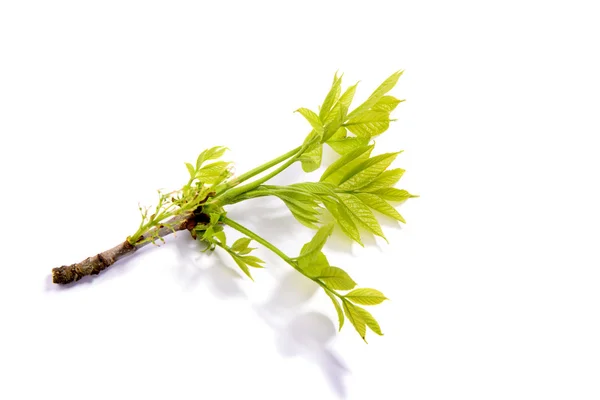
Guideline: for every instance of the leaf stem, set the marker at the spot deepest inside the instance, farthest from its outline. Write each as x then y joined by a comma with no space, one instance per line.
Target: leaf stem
234,192
274,249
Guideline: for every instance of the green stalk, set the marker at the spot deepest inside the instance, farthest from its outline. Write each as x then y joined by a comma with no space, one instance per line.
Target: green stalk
274,249
234,192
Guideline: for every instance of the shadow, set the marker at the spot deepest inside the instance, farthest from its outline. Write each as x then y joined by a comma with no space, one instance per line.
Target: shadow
194,267
300,333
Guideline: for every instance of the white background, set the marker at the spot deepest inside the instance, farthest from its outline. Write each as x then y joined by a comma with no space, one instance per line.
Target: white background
493,282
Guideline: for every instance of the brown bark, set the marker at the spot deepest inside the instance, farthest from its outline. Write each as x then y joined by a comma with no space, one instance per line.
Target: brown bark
95,264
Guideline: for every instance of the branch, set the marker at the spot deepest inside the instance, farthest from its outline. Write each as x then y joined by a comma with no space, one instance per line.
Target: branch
95,264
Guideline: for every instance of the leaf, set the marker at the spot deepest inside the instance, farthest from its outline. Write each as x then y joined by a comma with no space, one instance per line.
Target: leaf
369,320
362,213
221,236
190,169
338,309
385,87
337,116
336,278
318,240
312,264
385,179
369,124
346,145
332,97
313,119
340,167
365,172
212,172
214,218
344,220
386,103
241,244
378,204
210,154
393,194
318,188
339,134
253,261
311,160
242,266
366,296
355,318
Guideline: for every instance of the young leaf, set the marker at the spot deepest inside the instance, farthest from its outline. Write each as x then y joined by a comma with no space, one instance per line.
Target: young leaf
362,213
344,219
339,168
318,240
368,297
190,169
338,309
313,119
210,154
385,87
369,320
393,194
367,171
240,263
336,278
369,124
311,159
312,264
384,180
355,318
386,103
378,204
252,261
332,97
346,145
211,172
241,244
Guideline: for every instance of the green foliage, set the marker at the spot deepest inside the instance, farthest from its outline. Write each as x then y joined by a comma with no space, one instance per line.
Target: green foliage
354,190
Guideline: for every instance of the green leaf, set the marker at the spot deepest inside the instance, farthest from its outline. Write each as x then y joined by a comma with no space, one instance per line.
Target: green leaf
385,87
246,251
367,171
380,205
318,240
337,116
311,159
393,194
340,167
190,169
362,213
366,296
339,134
318,188
355,318
240,263
214,218
338,309
253,261
312,264
369,320
212,172
313,119
384,180
210,154
332,97
344,220
336,278
241,244
346,145
221,236
386,103
369,124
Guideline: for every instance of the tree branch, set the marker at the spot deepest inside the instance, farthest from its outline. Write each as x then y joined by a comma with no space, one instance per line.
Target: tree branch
96,264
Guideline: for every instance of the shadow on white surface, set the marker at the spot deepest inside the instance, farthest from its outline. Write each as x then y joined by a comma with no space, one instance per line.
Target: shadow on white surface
303,333
298,333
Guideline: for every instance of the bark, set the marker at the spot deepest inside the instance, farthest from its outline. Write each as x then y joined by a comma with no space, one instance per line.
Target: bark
96,264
